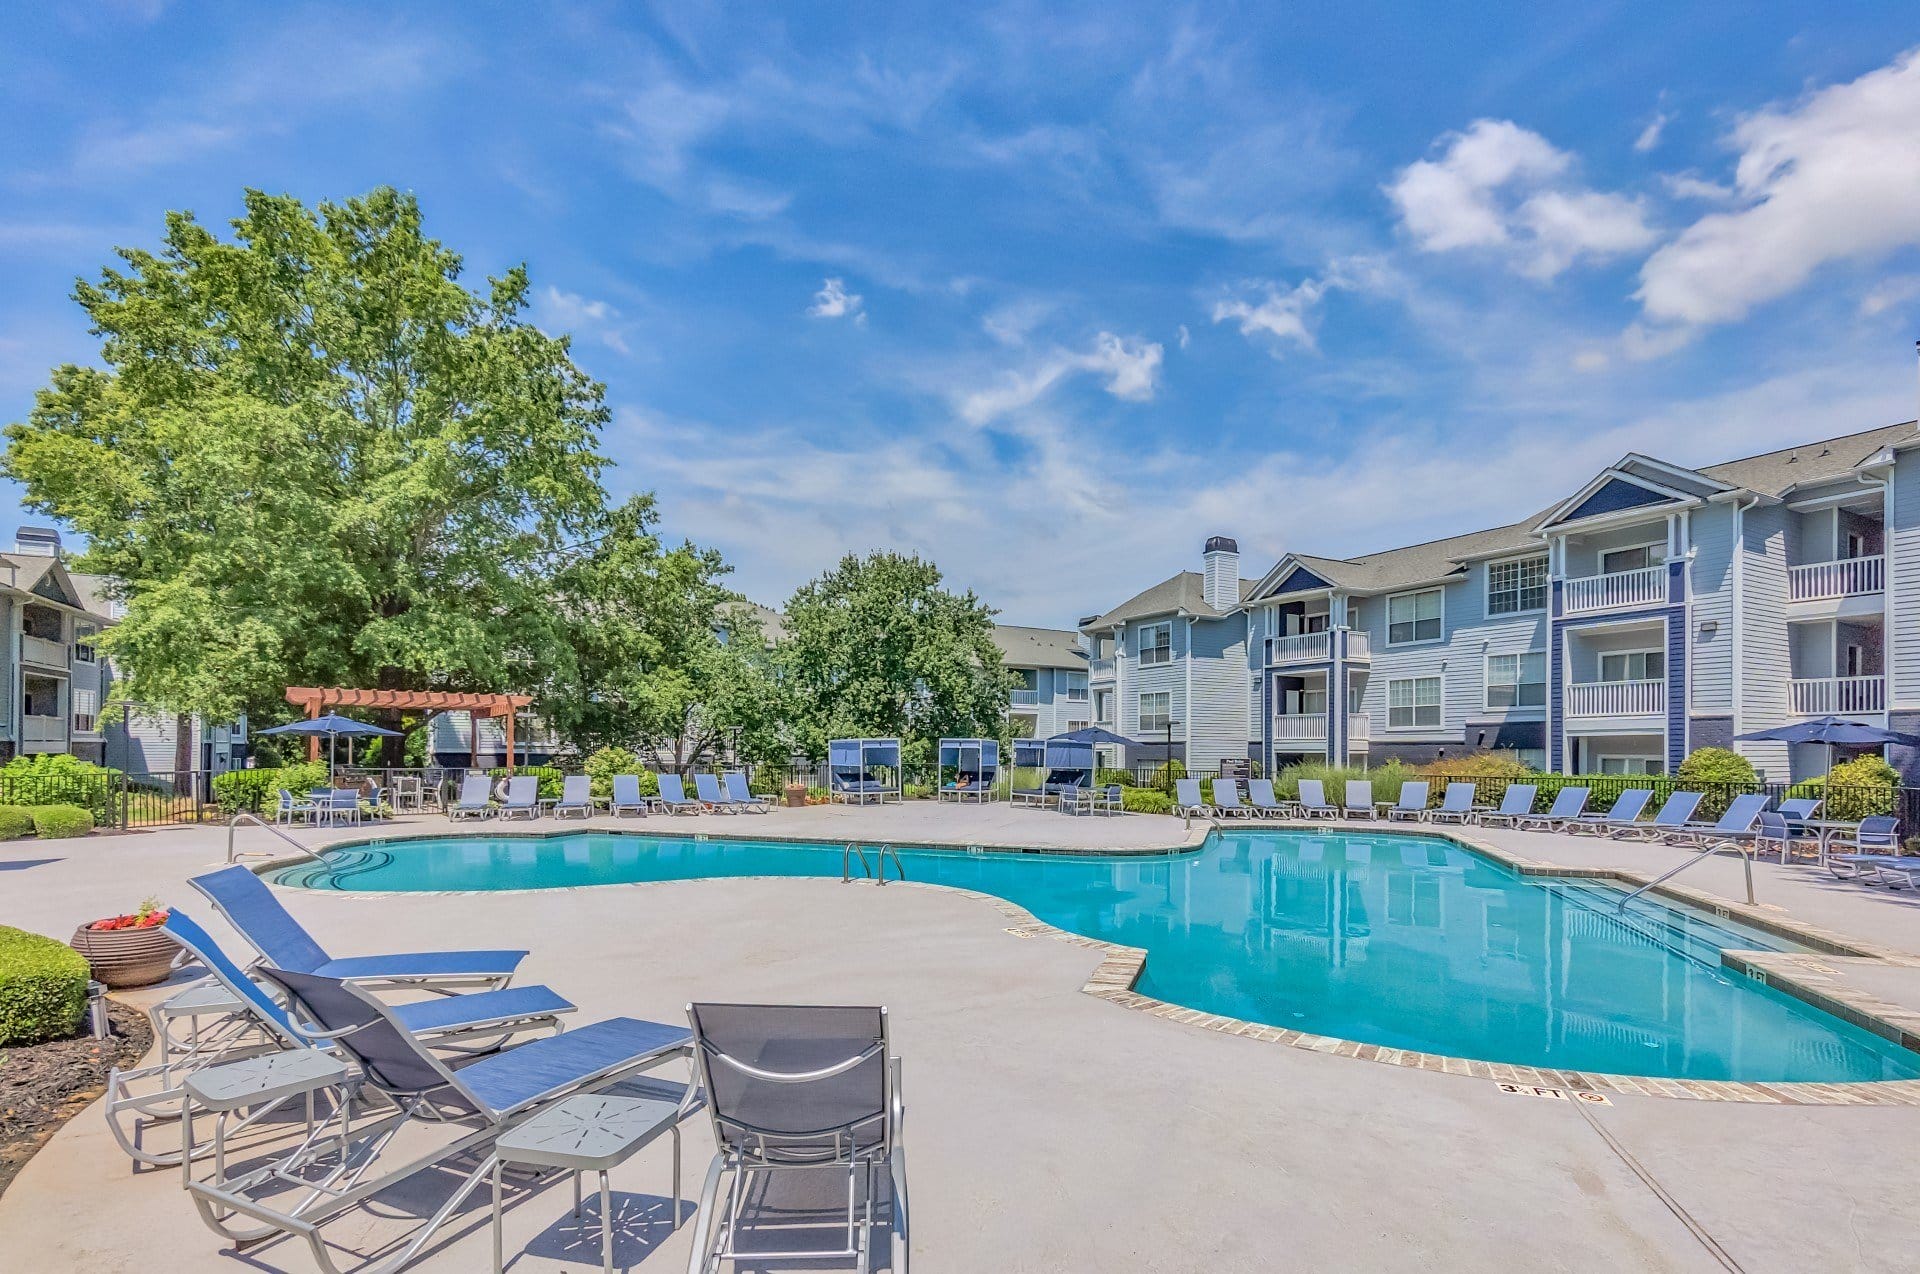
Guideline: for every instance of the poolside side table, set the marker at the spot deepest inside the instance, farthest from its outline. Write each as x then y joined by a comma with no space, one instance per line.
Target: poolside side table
257,1084
1825,831
593,1132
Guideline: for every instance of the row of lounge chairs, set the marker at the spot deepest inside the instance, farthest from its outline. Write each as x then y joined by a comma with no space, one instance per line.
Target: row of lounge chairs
784,1086
519,797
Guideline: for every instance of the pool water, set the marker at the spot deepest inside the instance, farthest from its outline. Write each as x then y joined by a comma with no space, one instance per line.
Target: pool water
1402,941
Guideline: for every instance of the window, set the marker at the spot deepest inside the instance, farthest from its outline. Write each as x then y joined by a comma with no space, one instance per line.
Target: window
1633,665
1518,586
1073,725
1077,686
83,635
1413,617
1413,702
1026,678
1103,707
85,706
1156,644
1156,711
1628,764
1517,681
1633,559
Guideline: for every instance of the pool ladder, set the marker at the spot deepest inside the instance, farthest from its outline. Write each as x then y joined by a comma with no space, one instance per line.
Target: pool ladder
881,854
1746,859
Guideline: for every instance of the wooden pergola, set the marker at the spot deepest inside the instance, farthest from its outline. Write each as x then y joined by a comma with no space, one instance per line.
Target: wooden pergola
317,700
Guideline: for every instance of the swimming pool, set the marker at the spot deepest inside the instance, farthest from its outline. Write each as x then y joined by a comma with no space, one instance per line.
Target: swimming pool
1402,941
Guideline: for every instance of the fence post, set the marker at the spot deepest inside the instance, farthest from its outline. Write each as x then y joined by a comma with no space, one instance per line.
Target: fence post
125,803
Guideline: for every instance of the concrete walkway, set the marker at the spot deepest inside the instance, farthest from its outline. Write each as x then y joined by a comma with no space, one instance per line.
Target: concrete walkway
1051,1130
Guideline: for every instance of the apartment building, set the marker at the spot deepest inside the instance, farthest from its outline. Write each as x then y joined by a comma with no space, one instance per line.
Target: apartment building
1049,666
1654,609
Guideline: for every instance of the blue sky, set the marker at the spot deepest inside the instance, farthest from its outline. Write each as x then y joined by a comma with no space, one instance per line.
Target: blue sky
1052,294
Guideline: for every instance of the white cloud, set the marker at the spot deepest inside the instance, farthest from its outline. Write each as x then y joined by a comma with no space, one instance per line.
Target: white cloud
833,301
1013,322
1833,177
1693,186
558,311
1282,315
1184,336
1893,292
1500,186
1130,367
1650,135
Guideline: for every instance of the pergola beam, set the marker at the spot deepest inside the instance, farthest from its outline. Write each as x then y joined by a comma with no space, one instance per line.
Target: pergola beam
478,706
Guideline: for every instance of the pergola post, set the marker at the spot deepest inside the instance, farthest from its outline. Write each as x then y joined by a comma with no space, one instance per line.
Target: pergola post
509,714
313,740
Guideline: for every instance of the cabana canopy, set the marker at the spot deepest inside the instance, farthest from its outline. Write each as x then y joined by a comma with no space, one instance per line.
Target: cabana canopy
858,770
975,764
1068,762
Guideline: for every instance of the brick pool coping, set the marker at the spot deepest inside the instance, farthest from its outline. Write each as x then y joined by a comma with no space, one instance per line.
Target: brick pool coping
1807,976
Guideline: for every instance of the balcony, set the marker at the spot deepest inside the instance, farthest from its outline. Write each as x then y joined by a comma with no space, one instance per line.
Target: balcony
44,652
1617,698
1100,667
1620,590
1300,727
43,734
1299,648
1359,645
1849,577
1024,698
1359,728
1830,696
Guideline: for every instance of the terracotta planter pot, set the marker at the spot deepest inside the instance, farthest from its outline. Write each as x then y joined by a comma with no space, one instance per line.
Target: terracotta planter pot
124,958
796,795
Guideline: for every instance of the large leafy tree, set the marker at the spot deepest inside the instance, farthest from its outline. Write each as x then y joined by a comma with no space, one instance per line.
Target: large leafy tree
312,455
877,648
663,656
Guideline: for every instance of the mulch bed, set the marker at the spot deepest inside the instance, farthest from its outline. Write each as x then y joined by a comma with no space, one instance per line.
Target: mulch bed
44,1085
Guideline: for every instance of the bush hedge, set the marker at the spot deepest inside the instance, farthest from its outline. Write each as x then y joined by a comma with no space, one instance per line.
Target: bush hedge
54,778
257,791
1145,800
1855,789
602,764
551,779
15,821
55,822
1387,780
43,988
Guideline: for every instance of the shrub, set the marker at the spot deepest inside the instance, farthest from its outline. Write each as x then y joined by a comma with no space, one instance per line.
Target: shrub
43,988
15,821
1107,778
54,822
603,764
1387,780
257,791
818,794
918,791
1165,776
54,778
1478,765
1145,800
1718,773
767,780
1855,789
551,779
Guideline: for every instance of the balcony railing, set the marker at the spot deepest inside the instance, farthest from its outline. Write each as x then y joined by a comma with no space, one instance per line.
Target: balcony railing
1100,667
1848,577
1024,698
1298,726
45,652
1359,644
1823,696
43,730
1300,648
1644,587
1359,727
1617,698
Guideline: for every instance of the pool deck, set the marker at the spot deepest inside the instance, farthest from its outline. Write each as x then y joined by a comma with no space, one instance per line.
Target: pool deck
1049,1129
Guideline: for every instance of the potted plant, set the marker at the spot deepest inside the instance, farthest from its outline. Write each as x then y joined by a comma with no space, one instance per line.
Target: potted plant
130,950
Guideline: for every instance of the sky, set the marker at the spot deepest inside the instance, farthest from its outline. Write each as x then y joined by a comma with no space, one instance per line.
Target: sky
1046,293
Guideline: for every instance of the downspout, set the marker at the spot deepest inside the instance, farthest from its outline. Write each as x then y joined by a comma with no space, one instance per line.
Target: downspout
1186,665
1737,618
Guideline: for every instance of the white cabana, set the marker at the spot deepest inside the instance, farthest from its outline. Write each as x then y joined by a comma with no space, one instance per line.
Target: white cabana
860,771
967,769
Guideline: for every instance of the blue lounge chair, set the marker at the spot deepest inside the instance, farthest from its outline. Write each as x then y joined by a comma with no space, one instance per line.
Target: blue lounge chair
1412,805
476,800
706,790
1568,803
626,797
1456,806
576,797
1358,801
1226,799
292,807
1626,811
1313,800
673,796
1260,796
1798,810
522,798
478,1102
1873,851
743,795
1674,814
1186,799
1739,823
1515,801
250,907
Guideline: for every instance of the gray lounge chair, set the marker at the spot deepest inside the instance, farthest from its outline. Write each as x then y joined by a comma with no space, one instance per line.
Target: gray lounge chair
1260,796
1568,803
1456,806
706,790
798,1087
1798,810
626,797
1515,801
476,801
1674,814
1873,851
1226,799
673,796
1313,800
743,795
1626,811
1111,799
576,797
1412,805
1358,801
1186,799
1739,823
523,797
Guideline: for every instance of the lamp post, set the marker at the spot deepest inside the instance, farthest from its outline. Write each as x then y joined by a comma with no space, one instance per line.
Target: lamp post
1166,765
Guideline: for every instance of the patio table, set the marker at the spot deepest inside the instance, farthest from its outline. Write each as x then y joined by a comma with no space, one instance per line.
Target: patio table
1826,831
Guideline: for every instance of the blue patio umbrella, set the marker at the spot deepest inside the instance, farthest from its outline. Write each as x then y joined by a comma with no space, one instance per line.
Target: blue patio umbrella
1834,732
1095,735
335,726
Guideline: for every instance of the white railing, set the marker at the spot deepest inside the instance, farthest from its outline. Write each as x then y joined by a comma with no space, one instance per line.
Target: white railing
1359,727
39,650
1844,578
1293,727
1823,696
1024,698
1100,667
1617,698
43,730
1298,647
1359,644
1644,587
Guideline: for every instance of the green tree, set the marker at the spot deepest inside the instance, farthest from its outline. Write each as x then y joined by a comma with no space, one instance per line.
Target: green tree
662,655
313,456
877,648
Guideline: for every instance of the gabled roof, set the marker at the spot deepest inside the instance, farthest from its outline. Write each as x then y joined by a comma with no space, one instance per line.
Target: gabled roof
1022,647
1774,472
1414,564
1177,594
45,578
